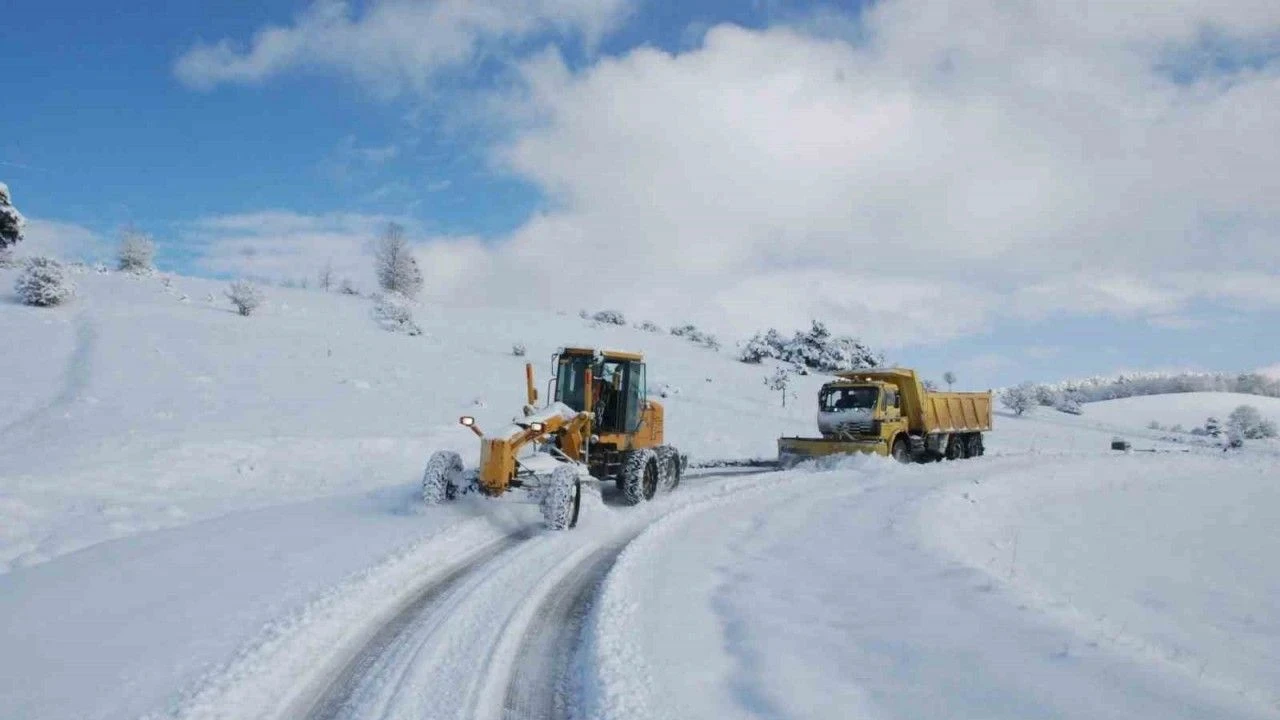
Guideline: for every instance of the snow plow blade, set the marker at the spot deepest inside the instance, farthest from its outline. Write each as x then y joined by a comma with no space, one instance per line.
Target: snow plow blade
792,450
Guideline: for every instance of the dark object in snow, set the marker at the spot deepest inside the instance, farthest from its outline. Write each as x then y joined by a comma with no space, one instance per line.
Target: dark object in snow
1118,444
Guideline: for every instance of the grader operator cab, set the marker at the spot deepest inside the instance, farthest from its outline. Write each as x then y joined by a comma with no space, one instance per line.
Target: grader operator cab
599,425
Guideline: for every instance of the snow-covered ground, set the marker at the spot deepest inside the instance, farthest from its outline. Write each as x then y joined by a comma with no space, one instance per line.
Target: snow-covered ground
204,515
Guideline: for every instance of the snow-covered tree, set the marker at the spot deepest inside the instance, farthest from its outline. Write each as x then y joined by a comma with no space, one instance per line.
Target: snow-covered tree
949,378
1212,427
1249,424
816,349
11,226
43,282
245,296
396,267
326,277
780,380
1020,398
649,327
137,252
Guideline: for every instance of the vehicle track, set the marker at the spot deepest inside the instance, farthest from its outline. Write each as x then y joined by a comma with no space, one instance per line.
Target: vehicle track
539,686
337,699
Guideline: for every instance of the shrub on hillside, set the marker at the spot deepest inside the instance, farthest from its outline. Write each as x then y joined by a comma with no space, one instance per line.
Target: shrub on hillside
393,313
609,317
43,282
245,296
519,350
696,336
649,327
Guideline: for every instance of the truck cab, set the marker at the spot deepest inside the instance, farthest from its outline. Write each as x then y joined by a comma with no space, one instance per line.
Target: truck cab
859,410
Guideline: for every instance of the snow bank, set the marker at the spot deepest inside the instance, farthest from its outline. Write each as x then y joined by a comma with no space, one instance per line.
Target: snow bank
1170,558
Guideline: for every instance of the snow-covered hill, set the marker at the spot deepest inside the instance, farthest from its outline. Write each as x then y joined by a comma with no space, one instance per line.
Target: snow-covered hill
206,515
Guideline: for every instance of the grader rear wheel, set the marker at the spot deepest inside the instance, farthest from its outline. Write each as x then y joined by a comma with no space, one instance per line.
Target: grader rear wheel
668,467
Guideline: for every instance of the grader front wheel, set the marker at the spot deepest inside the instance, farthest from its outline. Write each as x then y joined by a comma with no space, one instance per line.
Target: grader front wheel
442,478
561,498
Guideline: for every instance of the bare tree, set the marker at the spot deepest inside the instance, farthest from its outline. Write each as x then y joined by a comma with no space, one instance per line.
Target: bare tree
245,296
326,276
394,262
780,380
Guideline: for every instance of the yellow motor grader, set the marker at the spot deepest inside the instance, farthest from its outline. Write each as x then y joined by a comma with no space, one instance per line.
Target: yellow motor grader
598,425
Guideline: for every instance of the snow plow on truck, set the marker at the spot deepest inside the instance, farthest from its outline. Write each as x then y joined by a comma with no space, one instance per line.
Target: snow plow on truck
890,412
599,425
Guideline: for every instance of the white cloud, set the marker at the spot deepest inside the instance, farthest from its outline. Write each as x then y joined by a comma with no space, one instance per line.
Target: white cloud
953,164
393,45
63,240
969,161
279,245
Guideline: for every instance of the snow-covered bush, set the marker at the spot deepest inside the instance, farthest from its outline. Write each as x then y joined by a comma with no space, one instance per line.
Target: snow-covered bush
395,265
43,283
137,253
11,226
245,296
393,313
347,288
649,327
1069,404
610,317
518,350
1020,398
1249,424
816,349
696,336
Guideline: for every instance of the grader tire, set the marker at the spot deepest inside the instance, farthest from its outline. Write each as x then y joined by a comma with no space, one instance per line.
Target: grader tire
639,476
561,498
442,477
668,467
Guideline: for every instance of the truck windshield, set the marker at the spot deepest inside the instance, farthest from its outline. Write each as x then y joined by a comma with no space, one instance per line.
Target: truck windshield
838,399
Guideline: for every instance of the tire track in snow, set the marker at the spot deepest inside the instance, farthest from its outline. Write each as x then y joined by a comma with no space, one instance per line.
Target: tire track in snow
75,378
338,697
538,688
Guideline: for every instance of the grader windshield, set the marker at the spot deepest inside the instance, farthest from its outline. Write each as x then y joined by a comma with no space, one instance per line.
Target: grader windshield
618,394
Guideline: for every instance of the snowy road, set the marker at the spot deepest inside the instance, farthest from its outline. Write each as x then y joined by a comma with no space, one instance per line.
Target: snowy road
816,599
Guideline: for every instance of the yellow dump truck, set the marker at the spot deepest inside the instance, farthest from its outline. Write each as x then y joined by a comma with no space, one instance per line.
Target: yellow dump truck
889,412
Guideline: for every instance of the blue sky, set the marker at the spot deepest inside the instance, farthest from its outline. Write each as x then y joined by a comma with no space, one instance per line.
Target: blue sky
926,175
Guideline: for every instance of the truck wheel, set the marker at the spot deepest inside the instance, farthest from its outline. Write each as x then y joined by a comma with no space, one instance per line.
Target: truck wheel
900,451
957,445
971,443
441,478
639,476
668,467
561,498
979,449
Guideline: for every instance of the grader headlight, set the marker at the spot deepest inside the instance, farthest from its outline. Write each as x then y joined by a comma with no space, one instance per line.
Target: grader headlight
467,421
537,427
